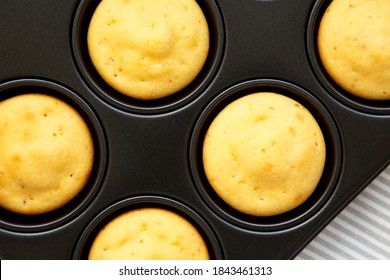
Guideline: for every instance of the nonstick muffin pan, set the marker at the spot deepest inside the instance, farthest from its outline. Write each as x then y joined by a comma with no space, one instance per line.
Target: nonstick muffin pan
149,153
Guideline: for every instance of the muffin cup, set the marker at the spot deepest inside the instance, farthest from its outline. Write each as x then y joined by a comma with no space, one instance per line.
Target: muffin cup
33,223
109,213
81,21
357,103
324,188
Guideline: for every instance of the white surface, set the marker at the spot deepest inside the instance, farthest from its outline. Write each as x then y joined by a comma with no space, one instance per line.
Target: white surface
361,231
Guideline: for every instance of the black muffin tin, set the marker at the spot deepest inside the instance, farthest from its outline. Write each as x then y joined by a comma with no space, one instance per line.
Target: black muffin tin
148,153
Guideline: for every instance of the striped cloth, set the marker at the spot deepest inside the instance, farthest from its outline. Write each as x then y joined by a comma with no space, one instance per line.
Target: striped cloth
361,231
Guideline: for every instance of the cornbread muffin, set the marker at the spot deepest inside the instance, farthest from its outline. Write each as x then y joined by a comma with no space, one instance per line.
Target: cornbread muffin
46,152
148,49
264,154
149,234
354,46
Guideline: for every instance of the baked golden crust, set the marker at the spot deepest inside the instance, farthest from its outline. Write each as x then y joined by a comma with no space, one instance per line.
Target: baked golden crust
264,154
148,49
47,153
149,234
354,46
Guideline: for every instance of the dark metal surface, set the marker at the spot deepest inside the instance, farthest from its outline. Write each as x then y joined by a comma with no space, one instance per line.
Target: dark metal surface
148,153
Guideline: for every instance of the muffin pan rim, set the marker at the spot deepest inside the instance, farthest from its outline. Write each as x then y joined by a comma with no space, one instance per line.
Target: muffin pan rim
219,207
62,215
117,208
375,107
148,107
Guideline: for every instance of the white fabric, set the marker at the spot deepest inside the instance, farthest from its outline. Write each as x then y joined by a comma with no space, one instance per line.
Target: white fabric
361,231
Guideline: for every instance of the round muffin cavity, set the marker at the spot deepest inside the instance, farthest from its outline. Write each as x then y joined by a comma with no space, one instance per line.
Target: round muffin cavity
148,49
47,153
149,234
264,154
354,46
